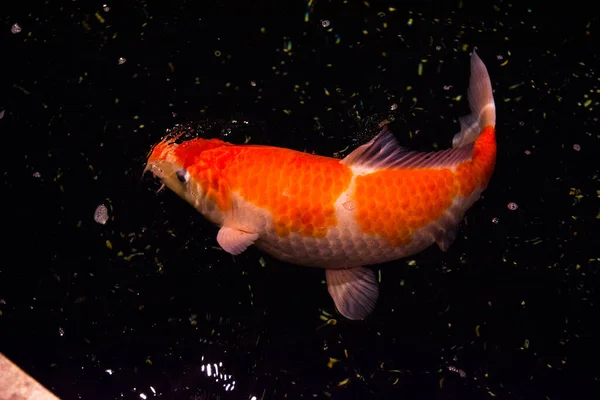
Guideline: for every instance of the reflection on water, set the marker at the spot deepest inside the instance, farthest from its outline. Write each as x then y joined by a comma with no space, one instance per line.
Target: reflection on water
212,370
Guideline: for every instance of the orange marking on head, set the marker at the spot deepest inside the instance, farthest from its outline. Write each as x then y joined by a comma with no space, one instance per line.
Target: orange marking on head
298,189
203,159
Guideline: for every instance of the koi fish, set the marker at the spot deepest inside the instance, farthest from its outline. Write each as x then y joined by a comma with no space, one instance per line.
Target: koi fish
380,203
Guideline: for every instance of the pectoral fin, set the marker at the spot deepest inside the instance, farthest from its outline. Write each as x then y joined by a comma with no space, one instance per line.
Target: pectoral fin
354,291
235,241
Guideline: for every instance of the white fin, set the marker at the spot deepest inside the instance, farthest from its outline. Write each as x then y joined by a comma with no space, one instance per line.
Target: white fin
354,291
481,102
235,241
384,152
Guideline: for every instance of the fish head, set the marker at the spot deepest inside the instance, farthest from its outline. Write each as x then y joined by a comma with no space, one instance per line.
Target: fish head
168,168
189,168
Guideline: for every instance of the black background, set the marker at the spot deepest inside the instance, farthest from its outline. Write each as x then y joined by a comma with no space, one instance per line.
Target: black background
512,303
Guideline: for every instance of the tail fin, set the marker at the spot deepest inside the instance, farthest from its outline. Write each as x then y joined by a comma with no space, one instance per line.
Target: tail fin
481,102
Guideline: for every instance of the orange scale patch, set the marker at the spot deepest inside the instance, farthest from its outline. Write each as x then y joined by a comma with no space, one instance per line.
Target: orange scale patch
478,171
298,189
395,203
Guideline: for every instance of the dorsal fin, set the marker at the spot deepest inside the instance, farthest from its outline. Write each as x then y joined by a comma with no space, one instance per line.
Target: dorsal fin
384,152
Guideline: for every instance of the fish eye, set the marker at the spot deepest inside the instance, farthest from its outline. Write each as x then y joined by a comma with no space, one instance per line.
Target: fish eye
182,175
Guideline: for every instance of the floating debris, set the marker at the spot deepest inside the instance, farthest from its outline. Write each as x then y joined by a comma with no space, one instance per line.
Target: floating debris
16,28
101,214
512,206
459,371
577,147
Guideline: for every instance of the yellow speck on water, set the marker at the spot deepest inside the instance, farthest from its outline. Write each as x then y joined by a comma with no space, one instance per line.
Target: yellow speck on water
344,382
526,343
412,263
288,112
262,262
109,244
332,362
99,18
477,333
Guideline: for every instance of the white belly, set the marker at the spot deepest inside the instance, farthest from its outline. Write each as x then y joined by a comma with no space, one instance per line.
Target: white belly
344,246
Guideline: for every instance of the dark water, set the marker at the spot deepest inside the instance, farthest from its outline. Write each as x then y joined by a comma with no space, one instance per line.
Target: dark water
141,306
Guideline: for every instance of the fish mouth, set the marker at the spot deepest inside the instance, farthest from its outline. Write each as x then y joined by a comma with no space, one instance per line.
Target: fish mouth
156,176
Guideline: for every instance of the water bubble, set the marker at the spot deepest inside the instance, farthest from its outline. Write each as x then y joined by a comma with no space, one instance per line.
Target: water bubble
122,60
37,175
495,220
576,147
105,7
528,152
325,23
101,214
394,106
16,28
447,87
499,57
512,206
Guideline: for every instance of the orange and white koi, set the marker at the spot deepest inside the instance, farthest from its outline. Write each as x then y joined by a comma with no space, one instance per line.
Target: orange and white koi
380,203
